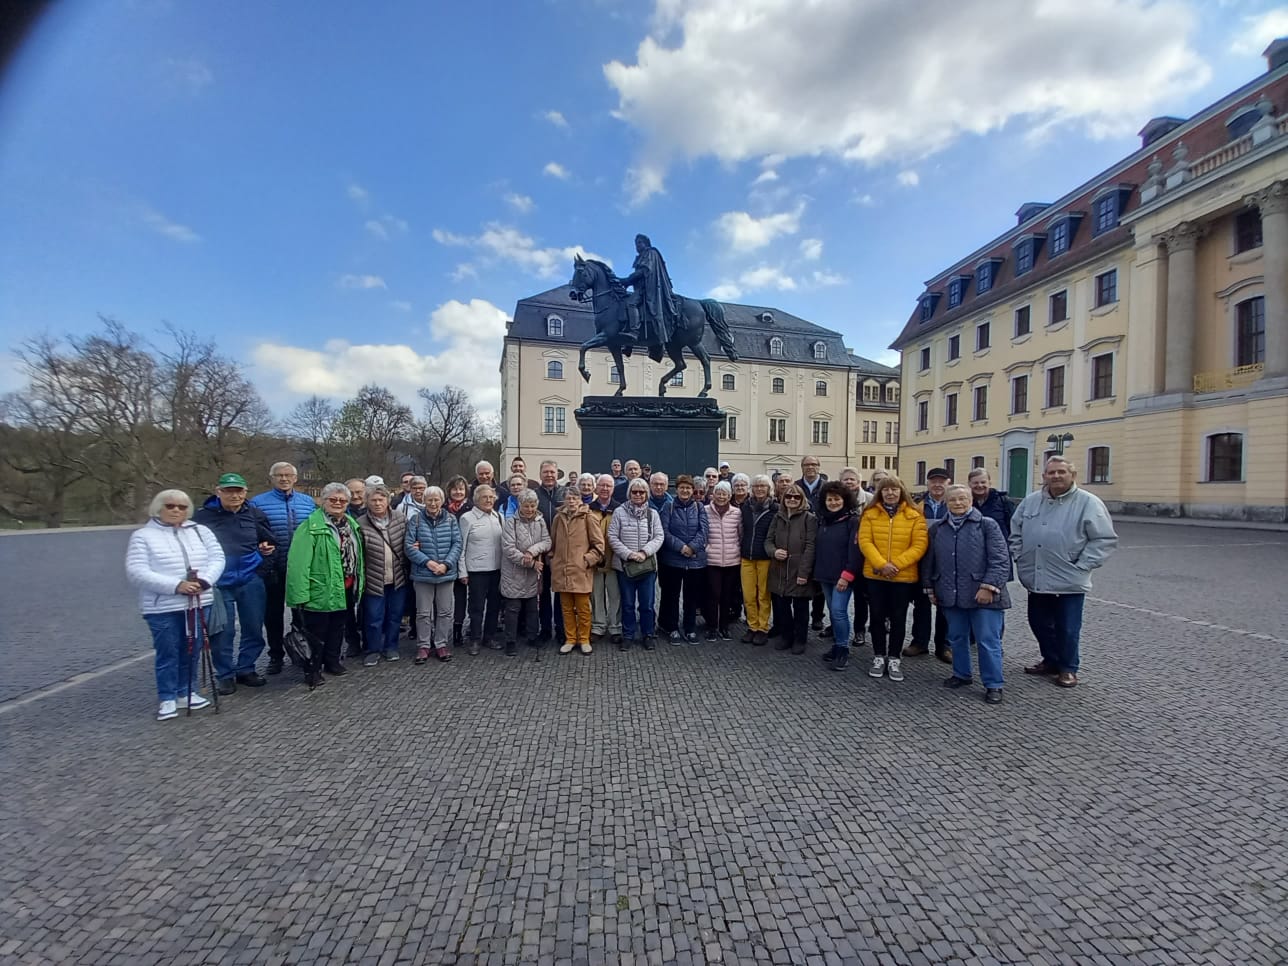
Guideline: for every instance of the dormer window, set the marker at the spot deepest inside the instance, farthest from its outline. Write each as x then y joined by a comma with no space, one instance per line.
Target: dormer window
1108,207
1061,232
554,327
820,350
1026,253
957,290
986,275
766,317
775,345
928,303
1240,123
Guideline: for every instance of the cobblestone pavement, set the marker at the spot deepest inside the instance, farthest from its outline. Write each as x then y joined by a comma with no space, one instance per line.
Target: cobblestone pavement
715,803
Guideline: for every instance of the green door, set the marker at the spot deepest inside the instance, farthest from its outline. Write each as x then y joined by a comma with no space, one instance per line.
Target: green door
1017,476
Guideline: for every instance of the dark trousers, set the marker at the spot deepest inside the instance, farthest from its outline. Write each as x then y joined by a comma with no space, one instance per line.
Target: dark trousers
675,581
860,586
520,617
1056,621
275,613
353,625
460,607
550,613
485,603
724,585
888,601
817,602
921,624
326,628
791,614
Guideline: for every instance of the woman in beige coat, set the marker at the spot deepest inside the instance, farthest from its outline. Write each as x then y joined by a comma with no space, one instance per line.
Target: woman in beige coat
578,549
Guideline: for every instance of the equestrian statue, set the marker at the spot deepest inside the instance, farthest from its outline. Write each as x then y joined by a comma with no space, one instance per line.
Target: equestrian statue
652,317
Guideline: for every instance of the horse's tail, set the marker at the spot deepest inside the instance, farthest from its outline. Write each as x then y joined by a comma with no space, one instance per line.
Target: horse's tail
716,319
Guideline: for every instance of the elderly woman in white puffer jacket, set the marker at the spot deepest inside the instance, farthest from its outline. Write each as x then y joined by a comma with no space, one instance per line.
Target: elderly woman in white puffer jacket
480,566
174,563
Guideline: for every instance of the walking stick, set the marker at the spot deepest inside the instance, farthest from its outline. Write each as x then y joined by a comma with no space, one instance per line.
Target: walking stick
190,626
207,659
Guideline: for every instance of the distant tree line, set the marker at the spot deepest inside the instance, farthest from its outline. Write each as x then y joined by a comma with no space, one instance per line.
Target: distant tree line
107,419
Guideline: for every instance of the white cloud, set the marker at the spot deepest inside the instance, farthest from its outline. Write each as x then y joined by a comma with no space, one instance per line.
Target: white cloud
361,282
756,279
888,80
386,226
746,233
189,72
909,178
812,249
463,271
826,278
1255,32
864,200
765,177
520,203
162,225
505,243
358,193
725,292
556,118
645,180
556,170
465,335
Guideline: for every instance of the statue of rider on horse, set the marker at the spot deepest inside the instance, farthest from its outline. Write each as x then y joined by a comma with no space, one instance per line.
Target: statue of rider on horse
653,316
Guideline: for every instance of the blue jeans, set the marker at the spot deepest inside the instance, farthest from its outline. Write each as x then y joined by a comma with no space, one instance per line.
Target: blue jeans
838,608
637,590
985,623
381,618
1056,621
246,602
170,639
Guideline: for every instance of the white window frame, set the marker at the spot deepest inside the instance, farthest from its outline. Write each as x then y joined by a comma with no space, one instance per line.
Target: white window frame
1204,461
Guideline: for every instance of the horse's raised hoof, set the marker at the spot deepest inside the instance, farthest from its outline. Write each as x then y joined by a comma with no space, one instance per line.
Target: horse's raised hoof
703,394
620,392
584,374
661,390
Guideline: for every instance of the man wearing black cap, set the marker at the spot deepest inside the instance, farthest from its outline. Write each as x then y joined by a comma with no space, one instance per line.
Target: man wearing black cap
935,508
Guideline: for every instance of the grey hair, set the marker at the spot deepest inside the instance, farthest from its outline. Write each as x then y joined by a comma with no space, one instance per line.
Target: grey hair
1057,458
356,479
637,484
659,473
480,464
956,488
435,491
605,476
418,479
711,469
378,490
332,488
760,478
740,478
722,486
483,490
172,496
523,480
584,477
282,465
977,471
528,496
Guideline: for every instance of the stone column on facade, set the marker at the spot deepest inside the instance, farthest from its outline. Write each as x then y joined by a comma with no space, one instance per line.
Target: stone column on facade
1182,307
1273,202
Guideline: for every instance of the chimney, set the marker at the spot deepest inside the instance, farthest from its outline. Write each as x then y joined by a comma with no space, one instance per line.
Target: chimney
1157,128
1029,209
1276,54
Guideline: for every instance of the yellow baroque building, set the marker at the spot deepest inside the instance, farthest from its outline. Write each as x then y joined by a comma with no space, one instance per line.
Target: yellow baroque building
1139,325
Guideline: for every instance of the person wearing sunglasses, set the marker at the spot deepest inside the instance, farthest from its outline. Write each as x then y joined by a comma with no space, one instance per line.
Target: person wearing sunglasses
790,544
175,563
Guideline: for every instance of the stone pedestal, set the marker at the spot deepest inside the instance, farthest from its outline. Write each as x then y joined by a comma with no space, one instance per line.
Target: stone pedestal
675,435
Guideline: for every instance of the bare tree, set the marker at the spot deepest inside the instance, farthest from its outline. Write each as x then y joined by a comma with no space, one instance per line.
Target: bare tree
450,426
371,424
312,425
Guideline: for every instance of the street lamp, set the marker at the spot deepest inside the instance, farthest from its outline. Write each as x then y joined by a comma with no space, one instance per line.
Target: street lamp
1060,441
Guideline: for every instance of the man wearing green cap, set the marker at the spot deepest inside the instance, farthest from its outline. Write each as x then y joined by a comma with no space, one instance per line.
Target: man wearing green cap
246,538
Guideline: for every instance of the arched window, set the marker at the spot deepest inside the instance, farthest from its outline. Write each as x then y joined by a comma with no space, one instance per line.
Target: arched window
820,386
778,385
775,346
554,327
726,382
677,379
820,350
554,370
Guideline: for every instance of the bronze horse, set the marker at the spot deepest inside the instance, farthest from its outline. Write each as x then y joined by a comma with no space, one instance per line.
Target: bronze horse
608,300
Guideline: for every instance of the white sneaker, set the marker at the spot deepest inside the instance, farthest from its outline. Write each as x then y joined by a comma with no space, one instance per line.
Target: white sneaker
168,710
896,669
196,702
878,668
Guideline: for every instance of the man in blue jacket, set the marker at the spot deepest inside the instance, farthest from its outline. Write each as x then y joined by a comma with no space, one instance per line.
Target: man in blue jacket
246,539
935,508
286,508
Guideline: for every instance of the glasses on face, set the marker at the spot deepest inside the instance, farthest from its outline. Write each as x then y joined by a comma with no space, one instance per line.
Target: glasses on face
336,499
791,496
176,506
283,476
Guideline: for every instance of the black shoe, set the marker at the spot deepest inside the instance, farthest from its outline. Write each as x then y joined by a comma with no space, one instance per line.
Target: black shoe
617,638
817,625
314,679
759,639
226,686
774,632
830,655
251,680
692,637
354,651
857,641
993,696
826,633
749,637
675,638
842,660
511,649
798,647
650,642
335,670
724,634
473,649
712,637
622,643
274,665
783,644
956,682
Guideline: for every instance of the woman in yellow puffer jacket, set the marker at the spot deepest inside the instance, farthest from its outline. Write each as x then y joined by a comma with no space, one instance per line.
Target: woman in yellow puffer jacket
893,538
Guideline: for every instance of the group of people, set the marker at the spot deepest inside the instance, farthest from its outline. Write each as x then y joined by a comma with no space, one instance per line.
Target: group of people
625,557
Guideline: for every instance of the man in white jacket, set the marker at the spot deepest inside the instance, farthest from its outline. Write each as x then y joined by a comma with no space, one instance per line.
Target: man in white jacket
1059,534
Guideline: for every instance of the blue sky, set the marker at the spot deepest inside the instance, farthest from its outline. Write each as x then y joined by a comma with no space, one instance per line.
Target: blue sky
342,193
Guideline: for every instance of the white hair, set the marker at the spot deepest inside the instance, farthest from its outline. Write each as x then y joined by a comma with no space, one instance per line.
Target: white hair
332,488
722,486
483,490
273,470
956,488
435,491
637,484
528,496
659,475
760,478
740,478
169,496
586,478
479,466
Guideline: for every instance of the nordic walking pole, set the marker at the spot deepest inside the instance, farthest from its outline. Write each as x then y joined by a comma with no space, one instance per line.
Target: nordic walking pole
190,625
207,660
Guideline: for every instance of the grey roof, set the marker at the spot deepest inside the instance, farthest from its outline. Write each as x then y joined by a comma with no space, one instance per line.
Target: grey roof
751,335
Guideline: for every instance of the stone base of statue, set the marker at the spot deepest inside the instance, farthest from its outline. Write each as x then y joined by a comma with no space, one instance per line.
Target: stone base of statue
672,434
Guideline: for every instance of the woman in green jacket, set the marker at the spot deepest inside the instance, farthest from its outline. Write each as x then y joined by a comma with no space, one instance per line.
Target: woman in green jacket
324,572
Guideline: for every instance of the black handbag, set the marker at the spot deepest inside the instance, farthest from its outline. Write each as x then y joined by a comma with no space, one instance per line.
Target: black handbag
300,649
638,568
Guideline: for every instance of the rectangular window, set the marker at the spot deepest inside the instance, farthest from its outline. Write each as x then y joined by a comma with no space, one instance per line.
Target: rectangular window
730,428
1020,394
1059,307
950,409
1107,212
1247,230
896,434
820,387
923,415
1107,288
951,467
927,308
1023,323
1055,387
925,358
981,404
555,417
1098,464
892,463
956,292
984,278
777,430
1251,322
1059,238
865,464
677,379
822,429
866,436
614,377
921,473
977,462
983,336
1225,458
889,434
954,347
1024,257
1102,376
